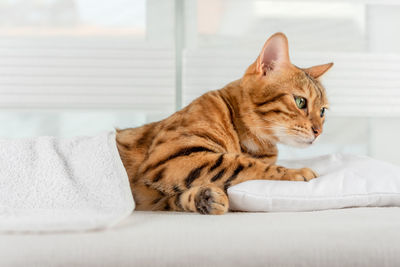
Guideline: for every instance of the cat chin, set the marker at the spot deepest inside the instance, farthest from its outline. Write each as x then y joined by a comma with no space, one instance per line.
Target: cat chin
296,142
302,144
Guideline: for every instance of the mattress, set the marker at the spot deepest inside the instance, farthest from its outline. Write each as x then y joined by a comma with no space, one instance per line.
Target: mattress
347,237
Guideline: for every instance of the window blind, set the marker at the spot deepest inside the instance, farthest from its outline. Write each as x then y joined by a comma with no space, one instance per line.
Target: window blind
85,73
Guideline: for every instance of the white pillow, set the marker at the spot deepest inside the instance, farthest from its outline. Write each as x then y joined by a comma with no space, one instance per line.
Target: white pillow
345,181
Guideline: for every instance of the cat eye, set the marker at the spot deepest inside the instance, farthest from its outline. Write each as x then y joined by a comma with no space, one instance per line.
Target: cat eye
301,102
322,112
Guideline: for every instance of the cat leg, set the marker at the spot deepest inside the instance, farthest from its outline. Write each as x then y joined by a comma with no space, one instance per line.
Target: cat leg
207,199
225,170
180,179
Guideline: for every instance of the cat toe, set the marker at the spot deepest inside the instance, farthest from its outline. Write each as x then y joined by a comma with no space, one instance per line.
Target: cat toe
308,174
303,174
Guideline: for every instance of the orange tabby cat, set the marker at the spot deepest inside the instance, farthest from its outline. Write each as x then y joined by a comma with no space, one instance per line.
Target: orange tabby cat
187,161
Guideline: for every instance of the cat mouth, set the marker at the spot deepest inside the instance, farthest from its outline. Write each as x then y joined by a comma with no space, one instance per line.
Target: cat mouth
310,142
304,139
297,141
304,143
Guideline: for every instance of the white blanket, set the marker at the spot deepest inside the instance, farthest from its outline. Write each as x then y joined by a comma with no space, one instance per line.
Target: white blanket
345,181
54,184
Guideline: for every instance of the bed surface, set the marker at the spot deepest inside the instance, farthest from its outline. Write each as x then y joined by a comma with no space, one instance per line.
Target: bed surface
348,237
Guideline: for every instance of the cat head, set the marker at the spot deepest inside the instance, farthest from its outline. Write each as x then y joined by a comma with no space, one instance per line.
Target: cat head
285,103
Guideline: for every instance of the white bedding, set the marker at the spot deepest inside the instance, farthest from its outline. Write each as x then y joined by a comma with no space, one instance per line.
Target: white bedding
342,238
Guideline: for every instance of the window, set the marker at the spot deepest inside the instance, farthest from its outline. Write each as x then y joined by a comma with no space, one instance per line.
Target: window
66,62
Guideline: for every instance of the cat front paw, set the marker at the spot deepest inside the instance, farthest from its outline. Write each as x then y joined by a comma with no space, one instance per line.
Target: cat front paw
303,174
211,200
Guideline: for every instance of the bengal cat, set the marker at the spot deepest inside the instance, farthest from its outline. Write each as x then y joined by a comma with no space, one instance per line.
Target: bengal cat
187,161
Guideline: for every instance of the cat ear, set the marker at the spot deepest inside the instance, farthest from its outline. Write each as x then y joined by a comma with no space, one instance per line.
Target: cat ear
274,55
319,70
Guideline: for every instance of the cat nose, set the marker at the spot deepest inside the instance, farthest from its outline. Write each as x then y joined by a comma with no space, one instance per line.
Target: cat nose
316,130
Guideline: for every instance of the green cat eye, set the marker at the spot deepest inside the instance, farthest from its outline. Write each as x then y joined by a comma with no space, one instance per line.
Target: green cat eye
322,112
301,102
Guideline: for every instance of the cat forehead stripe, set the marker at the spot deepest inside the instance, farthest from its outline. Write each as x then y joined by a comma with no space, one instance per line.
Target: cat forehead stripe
316,85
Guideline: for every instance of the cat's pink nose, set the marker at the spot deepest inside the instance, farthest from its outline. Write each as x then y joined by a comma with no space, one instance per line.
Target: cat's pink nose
316,130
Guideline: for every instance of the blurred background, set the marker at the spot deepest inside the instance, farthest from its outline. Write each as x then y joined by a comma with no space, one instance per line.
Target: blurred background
79,67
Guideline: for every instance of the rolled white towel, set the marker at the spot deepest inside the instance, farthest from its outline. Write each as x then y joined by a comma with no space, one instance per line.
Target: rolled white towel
58,184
